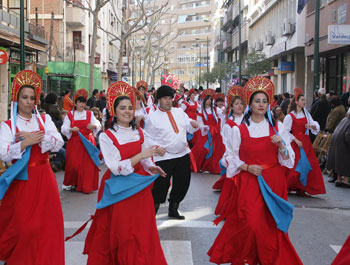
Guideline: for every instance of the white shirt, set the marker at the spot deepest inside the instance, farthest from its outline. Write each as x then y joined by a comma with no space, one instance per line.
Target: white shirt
111,154
205,128
227,131
288,122
9,150
256,130
78,116
160,132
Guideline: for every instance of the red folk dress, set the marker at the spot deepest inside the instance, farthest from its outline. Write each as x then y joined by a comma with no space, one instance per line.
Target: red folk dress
250,235
31,220
125,233
226,185
80,170
315,184
191,111
343,257
199,152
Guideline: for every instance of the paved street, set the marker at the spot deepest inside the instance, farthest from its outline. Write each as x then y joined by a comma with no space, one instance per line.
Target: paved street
319,228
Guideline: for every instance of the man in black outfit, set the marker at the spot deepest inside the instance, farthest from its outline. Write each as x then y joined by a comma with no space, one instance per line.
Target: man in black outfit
92,100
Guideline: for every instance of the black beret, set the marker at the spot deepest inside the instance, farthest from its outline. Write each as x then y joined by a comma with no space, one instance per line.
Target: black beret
165,91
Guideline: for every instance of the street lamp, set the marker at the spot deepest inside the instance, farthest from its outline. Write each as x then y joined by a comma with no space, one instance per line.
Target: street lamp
200,62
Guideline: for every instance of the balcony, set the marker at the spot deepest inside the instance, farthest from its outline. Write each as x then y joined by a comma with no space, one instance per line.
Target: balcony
227,43
244,35
10,22
227,18
75,52
75,16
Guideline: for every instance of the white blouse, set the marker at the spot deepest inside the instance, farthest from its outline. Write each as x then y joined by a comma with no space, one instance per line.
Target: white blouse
256,130
288,122
78,116
205,128
9,150
227,131
111,154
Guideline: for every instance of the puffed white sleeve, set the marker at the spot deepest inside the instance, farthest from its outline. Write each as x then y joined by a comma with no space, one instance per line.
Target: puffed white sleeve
65,129
188,124
313,122
112,158
289,162
183,106
226,133
104,116
52,139
287,124
149,131
232,153
148,162
95,122
8,149
201,126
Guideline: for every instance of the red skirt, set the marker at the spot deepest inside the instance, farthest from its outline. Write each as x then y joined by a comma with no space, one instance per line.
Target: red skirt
80,170
125,233
31,220
343,257
226,196
315,183
249,234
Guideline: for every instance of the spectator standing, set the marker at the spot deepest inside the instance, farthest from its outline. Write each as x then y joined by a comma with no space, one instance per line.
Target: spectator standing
285,103
67,101
336,115
93,99
339,152
52,108
322,109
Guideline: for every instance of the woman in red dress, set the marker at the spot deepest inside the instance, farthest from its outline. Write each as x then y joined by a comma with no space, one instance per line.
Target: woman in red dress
191,108
208,148
250,234
81,173
343,257
125,232
299,122
31,220
235,116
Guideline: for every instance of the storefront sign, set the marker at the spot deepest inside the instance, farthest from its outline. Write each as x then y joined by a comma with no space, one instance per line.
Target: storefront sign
286,67
3,56
339,34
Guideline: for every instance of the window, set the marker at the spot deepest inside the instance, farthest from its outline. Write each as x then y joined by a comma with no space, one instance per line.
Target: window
311,6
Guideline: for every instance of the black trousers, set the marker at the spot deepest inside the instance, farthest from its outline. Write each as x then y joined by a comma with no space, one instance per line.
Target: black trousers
180,171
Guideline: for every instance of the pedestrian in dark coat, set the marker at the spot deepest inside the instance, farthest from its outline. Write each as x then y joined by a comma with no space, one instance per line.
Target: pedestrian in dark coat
285,102
336,115
321,112
339,152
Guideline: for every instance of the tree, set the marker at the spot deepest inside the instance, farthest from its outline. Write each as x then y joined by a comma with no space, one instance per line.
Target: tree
257,63
220,72
94,12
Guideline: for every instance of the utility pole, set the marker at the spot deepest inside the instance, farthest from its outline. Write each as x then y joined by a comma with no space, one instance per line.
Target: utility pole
22,44
140,66
200,64
207,61
316,47
239,44
133,61
51,35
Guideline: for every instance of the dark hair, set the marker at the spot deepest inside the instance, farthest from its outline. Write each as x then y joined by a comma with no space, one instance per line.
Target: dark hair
200,88
293,105
332,93
28,86
275,97
211,105
219,99
249,113
335,101
286,94
110,125
81,99
51,98
95,91
66,92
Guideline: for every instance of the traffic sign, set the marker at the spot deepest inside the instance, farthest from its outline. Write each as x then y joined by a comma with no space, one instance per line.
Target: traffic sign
3,56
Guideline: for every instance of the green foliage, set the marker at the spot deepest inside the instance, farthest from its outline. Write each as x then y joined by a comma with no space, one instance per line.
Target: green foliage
257,63
218,73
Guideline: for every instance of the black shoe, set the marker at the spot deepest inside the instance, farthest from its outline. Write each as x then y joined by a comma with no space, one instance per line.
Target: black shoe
332,180
173,212
338,184
156,206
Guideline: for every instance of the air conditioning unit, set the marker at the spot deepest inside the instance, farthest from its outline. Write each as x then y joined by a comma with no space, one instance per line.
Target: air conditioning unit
270,39
288,27
259,46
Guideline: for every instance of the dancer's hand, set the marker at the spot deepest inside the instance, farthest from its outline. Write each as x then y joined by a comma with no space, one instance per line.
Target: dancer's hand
149,152
310,126
91,126
298,142
194,124
74,129
160,151
255,169
156,170
277,140
28,139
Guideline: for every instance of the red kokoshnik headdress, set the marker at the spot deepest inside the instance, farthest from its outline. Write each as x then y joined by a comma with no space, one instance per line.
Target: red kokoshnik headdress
142,83
81,93
256,84
209,91
117,90
27,78
298,91
234,92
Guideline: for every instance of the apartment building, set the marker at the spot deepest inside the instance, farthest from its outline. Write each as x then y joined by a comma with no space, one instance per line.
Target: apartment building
35,48
71,28
191,53
334,51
